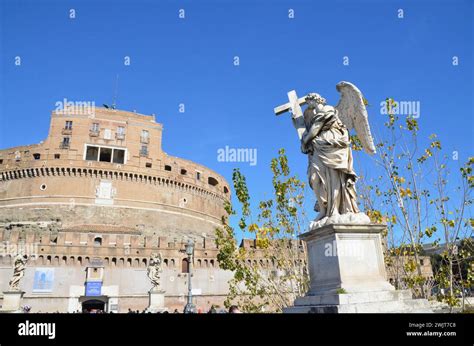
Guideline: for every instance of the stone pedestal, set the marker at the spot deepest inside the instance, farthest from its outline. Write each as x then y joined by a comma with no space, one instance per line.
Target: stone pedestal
12,301
347,273
157,301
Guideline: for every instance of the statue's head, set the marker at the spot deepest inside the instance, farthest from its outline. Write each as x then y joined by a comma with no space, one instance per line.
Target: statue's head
313,99
156,258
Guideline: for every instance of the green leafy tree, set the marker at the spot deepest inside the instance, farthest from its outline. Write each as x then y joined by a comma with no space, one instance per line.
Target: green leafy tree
269,275
412,196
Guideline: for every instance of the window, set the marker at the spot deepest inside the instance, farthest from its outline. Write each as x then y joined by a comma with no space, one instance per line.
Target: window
144,150
65,142
68,125
148,165
119,156
183,171
185,266
198,175
226,190
36,156
212,181
94,130
105,155
57,156
145,136
92,153
120,134
168,168
1,161
97,241
107,134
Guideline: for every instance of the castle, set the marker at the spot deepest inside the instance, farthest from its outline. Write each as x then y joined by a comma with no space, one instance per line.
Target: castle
94,201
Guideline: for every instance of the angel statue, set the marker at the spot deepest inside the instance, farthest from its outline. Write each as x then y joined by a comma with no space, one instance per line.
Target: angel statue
19,266
153,271
324,134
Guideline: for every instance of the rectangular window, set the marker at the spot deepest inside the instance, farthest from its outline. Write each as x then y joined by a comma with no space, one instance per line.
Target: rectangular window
68,125
108,134
92,153
95,127
119,156
144,150
144,137
120,133
65,143
105,155
57,156
198,175
148,165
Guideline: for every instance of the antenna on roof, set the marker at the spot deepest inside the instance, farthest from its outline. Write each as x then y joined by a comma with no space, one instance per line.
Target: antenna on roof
114,102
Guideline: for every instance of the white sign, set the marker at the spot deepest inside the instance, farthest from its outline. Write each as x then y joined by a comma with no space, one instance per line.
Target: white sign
196,291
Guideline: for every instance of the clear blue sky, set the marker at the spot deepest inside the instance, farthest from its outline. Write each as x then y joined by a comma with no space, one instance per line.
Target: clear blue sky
190,61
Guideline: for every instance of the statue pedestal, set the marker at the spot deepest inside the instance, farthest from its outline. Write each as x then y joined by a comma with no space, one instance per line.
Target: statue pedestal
12,301
157,301
347,273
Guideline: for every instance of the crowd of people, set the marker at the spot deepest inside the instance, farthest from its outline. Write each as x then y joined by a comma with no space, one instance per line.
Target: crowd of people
234,309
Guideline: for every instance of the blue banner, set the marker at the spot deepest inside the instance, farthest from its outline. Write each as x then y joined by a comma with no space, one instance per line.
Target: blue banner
93,288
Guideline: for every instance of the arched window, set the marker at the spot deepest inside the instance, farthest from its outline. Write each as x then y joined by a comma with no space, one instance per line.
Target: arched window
185,266
97,241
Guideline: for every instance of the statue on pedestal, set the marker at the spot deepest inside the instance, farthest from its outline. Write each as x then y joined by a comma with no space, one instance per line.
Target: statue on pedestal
324,134
18,271
154,270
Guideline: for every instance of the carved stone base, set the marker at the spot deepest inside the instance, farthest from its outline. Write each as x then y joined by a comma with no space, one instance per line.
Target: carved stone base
12,301
347,273
157,301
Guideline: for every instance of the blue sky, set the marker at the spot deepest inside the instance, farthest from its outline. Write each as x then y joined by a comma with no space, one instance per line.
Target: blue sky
191,61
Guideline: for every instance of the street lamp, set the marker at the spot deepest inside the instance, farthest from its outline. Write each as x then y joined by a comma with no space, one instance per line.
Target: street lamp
189,308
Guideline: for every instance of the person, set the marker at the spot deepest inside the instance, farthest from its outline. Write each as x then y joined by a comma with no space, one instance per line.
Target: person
234,310
130,311
212,310
176,311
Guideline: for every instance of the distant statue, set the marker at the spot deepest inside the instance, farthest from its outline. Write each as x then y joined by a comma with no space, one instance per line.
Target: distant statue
18,271
154,270
324,134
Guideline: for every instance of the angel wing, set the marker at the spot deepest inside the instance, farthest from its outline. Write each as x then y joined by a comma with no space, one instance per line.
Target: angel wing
353,114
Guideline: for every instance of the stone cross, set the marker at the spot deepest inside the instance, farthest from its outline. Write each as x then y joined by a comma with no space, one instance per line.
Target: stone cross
294,107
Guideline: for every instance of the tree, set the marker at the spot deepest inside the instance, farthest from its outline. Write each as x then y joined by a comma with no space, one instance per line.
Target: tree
412,195
269,275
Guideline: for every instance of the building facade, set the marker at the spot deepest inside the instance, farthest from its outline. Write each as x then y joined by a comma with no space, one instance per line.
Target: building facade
94,200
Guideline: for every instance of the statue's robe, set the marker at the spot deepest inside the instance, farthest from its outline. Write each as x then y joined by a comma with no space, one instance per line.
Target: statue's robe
330,167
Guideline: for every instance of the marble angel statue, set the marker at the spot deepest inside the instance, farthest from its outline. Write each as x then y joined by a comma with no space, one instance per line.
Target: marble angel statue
324,133
154,271
19,266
